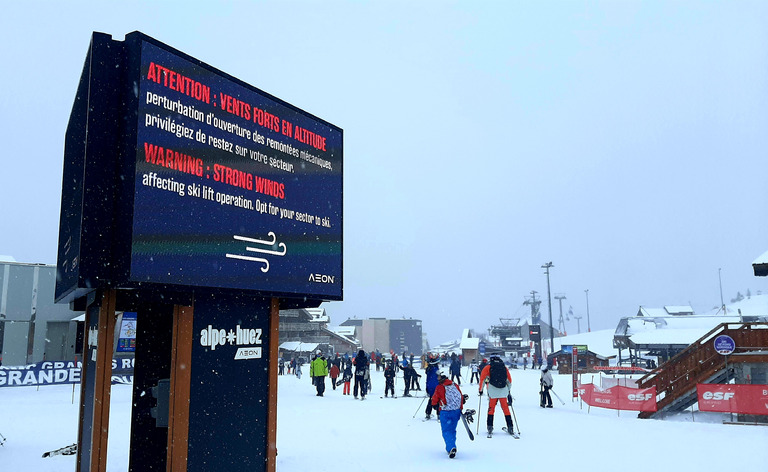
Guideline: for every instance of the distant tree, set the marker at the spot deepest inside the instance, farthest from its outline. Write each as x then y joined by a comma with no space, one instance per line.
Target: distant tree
739,297
749,294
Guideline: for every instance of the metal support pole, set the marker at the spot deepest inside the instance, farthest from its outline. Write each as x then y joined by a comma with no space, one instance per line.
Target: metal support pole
720,279
589,327
547,266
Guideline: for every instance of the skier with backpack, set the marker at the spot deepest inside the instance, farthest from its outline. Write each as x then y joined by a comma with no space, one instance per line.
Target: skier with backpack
449,401
498,380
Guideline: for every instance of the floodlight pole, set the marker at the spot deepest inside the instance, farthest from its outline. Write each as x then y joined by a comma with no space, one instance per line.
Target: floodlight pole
547,266
589,327
719,278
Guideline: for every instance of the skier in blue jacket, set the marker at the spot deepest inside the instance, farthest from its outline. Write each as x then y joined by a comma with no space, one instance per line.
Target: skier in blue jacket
431,370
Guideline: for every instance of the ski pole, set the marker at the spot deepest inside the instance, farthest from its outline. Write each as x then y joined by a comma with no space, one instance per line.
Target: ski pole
558,396
479,402
515,417
2,440
419,408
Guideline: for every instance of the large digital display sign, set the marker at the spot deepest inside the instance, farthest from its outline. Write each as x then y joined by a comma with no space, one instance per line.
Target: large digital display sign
233,187
219,185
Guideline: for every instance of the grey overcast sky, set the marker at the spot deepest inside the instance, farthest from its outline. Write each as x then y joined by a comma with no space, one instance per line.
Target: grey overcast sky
623,141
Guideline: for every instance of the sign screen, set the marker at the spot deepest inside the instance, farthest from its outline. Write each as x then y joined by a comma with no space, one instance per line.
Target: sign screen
233,188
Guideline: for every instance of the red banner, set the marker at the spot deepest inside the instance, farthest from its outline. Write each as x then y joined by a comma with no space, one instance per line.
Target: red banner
736,398
619,398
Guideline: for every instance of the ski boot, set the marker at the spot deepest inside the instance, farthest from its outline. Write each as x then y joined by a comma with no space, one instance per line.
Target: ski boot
510,427
452,454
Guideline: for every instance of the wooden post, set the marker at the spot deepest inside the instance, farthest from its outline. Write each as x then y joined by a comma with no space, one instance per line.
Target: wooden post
178,403
274,343
93,437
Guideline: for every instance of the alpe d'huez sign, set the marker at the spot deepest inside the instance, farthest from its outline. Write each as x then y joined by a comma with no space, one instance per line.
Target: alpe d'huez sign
247,340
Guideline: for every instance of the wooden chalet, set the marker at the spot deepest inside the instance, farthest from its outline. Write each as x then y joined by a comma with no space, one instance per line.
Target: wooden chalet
586,359
309,326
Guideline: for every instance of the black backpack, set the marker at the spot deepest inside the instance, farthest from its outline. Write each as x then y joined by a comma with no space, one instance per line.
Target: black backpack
498,373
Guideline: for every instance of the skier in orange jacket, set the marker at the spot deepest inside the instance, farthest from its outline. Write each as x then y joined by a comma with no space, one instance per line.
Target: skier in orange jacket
498,383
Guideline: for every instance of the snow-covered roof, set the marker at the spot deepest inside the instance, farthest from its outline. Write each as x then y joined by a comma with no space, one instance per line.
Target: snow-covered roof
684,330
644,311
448,347
670,336
298,346
763,259
600,342
470,343
318,315
679,309
348,331
4,258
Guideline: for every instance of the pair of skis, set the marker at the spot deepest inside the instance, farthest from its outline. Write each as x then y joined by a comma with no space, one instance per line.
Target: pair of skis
467,417
510,432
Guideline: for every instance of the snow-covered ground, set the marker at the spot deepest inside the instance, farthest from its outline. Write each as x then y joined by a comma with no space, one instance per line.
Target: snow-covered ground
336,432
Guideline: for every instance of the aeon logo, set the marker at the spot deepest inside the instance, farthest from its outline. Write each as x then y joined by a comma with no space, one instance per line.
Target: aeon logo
322,278
719,396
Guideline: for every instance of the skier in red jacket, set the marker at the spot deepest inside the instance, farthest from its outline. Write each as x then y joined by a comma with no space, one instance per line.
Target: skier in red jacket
450,401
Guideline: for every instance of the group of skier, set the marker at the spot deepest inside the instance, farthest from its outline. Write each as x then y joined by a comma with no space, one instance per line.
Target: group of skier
446,400
358,368
494,380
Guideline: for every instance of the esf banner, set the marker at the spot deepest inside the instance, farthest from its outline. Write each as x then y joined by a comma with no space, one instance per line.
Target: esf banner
736,398
59,373
619,398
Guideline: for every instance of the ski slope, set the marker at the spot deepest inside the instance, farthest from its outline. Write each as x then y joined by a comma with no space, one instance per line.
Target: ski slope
336,432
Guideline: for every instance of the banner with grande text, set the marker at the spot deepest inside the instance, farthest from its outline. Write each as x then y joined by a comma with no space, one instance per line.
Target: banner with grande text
60,373
736,398
619,398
